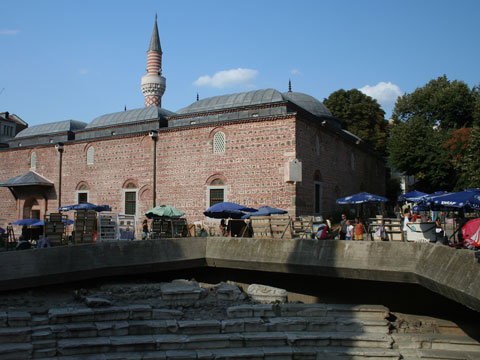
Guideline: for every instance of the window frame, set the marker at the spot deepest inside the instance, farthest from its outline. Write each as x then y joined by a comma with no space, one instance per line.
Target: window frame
216,187
215,141
124,202
90,155
82,192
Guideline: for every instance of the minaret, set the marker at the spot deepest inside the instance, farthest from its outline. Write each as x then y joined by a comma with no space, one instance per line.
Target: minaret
154,84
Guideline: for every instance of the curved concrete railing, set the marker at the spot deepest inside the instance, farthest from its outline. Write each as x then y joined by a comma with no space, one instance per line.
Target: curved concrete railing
452,273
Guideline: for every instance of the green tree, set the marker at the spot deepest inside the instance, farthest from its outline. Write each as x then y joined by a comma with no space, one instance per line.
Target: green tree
363,116
425,133
441,102
468,164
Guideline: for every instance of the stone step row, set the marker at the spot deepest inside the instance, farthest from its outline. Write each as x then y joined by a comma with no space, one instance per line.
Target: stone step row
260,353
146,312
189,327
436,342
146,343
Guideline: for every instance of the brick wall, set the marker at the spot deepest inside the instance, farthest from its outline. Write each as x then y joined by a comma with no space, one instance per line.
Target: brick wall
252,168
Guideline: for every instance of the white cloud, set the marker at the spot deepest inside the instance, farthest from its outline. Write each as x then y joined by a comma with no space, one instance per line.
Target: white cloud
9,32
228,78
83,71
385,93
295,72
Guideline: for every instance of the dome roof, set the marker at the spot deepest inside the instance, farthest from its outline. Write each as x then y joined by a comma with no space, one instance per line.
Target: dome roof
129,116
51,128
308,103
257,97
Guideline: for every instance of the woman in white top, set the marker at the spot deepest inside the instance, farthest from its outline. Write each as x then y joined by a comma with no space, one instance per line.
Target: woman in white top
405,223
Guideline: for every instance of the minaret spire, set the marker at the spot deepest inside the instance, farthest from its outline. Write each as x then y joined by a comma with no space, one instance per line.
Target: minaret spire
153,83
289,85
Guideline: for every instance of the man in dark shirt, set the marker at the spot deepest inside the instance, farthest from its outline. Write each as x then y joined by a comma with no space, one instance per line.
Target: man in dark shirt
343,227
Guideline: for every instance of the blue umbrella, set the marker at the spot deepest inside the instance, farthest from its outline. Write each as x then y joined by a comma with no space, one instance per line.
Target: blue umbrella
361,198
469,198
265,211
412,196
41,222
28,222
226,210
85,206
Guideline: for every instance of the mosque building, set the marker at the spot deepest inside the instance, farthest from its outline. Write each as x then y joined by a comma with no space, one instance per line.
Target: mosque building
261,147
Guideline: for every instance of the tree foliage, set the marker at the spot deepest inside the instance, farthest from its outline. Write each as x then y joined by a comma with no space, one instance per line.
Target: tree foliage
441,102
363,116
430,134
467,164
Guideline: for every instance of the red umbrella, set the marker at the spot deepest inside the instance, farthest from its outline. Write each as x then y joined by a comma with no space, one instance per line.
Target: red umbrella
471,232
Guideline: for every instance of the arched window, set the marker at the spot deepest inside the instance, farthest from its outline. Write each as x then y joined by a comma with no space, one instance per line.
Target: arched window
82,194
219,142
90,155
130,199
33,160
216,192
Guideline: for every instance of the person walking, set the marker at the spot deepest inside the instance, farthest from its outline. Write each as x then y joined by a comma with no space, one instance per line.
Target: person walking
145,229
349,231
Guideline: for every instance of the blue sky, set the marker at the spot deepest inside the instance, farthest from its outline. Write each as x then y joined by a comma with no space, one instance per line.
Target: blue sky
78,60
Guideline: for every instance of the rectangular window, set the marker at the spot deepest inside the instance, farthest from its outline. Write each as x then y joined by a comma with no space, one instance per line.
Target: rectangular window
216,196
130,202
318,198
82,197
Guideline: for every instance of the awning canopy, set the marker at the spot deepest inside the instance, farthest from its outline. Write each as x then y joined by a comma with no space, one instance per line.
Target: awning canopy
30,178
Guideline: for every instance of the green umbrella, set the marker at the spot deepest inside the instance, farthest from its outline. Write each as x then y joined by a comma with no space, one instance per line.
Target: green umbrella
165,211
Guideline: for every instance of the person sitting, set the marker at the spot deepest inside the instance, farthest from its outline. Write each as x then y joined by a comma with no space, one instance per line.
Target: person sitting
439,234
145,229
322,232
223,228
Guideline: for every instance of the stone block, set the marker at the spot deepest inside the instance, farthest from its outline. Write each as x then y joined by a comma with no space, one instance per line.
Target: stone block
15,335
130,343
254,325
140,312
94,302
228,292
264,339
170,342
181,354
154,355
117,328
205,355
15,351
80,346
212,341
3,318
199,326
123,356
42,334
363,340
321,324
38,320
181,292
19,318
240,311
172,326
308,339
363,326
264,310
232,326
266,294
166,314
114,313
245,353
80,330
44,353
303,310
69,315
145,327
44,344
287,324
278,353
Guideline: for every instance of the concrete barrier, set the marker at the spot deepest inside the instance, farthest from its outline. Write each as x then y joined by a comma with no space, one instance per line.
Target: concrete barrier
450,272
